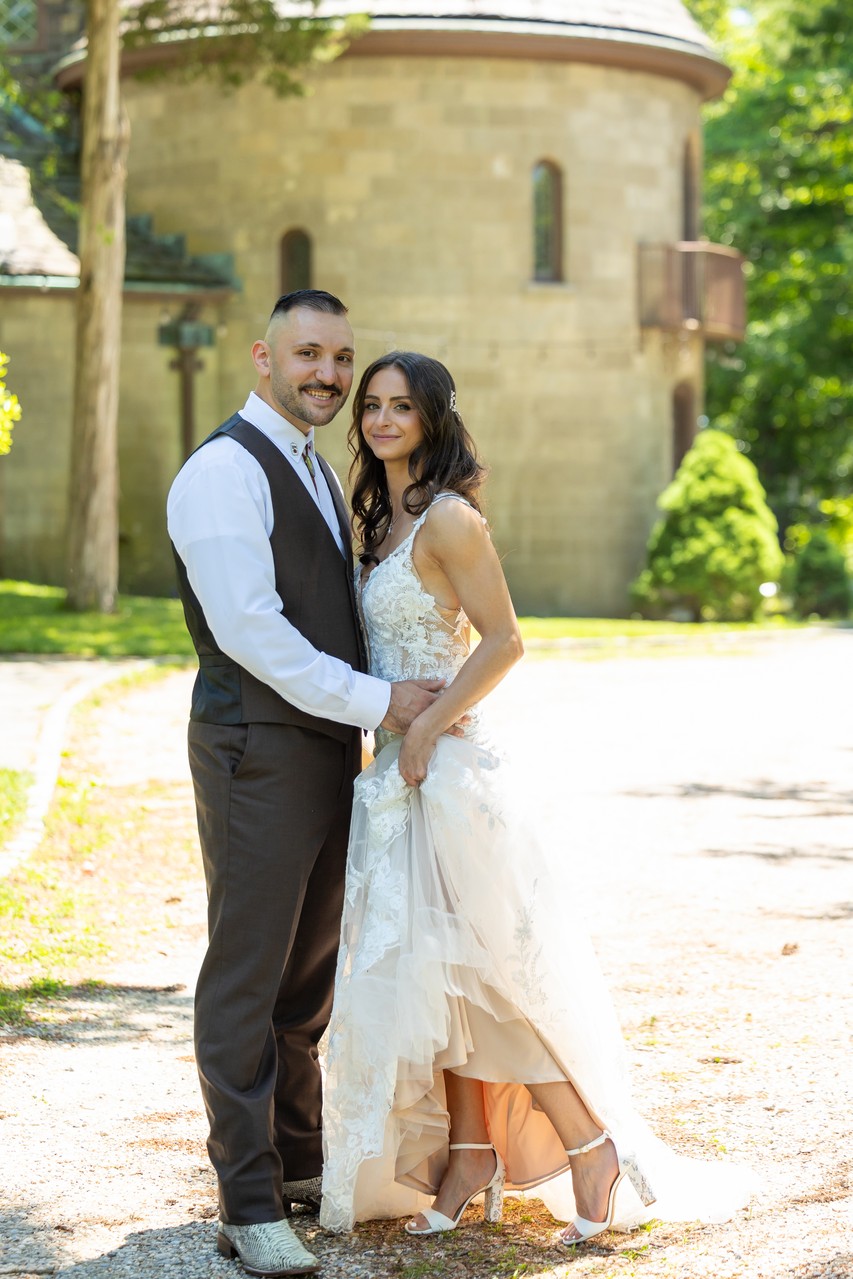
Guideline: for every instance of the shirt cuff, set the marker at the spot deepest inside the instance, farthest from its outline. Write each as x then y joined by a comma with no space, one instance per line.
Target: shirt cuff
369,700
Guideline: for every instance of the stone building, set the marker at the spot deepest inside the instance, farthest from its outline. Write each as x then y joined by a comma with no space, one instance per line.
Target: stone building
511,187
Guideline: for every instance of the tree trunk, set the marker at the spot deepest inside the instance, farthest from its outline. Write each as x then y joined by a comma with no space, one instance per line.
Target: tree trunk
93,498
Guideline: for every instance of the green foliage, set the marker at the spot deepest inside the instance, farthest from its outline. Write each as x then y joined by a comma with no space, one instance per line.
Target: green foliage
10,409
249,39
712,16
836,516
45,106
779,187
819,581
717,540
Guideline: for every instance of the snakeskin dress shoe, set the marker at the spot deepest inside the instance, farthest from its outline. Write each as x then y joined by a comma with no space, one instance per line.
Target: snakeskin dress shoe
269,1248
307,1193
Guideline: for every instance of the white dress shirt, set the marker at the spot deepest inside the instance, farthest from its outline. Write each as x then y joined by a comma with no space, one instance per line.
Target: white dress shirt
220,517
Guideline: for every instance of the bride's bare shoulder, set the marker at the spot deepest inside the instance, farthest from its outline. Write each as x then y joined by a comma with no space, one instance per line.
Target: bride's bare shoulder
451,516
453,538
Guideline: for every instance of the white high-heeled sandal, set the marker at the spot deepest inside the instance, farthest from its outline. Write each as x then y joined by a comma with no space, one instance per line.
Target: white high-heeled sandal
492,1208
628,1167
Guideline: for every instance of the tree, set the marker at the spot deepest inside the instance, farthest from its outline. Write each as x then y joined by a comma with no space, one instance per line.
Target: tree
717,541
249,39
779,178
819,581
712,16
10,409
93,499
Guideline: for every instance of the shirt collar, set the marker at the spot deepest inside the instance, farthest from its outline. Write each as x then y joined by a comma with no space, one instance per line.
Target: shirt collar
283,434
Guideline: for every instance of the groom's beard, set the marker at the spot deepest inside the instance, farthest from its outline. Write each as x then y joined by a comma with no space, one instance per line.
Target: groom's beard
297,402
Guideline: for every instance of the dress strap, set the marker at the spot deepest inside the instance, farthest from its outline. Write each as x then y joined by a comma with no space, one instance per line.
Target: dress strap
439,497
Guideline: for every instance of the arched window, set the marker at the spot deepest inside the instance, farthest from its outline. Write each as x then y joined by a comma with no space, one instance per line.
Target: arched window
547,221
683,422
295,261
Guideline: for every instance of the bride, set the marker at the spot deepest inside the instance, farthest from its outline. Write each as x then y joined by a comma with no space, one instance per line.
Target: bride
473,1044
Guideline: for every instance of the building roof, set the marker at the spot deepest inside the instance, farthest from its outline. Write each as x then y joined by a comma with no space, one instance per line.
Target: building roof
649,35
39,222
655,19
657,36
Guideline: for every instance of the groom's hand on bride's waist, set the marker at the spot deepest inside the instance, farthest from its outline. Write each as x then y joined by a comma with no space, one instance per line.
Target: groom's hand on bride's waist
409,697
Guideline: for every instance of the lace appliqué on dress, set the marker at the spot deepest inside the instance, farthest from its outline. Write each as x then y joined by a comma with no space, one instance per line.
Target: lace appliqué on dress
452,908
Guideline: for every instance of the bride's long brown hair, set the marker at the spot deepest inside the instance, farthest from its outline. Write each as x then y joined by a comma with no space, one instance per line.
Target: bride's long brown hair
445,459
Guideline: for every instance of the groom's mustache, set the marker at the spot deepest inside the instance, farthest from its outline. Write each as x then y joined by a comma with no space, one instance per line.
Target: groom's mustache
318,386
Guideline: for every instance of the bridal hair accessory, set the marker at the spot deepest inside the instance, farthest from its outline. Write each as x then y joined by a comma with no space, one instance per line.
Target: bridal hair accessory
452,401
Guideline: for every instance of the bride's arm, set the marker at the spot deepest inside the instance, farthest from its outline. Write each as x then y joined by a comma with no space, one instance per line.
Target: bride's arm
459,566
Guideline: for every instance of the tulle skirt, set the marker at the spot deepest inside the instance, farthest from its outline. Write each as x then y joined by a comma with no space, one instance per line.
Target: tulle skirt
464,947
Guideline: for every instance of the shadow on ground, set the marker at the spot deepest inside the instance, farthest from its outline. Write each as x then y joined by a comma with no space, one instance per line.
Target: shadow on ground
106,1014
378,1250
782,854
838,803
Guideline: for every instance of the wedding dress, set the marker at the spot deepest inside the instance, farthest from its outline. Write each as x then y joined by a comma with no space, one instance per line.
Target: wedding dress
463,947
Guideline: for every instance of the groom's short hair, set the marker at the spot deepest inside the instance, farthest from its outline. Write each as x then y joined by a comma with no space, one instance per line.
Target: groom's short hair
311,299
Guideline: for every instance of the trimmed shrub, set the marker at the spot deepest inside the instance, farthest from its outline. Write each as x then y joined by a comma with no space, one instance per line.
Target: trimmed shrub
819,581
716,542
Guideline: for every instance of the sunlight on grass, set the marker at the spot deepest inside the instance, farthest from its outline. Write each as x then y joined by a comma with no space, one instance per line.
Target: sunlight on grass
14,786
17,1002
95,885
33,619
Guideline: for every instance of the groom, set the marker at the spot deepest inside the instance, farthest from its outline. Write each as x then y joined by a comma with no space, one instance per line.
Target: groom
262,543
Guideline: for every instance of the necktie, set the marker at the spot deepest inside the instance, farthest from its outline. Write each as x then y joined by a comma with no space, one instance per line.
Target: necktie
309,462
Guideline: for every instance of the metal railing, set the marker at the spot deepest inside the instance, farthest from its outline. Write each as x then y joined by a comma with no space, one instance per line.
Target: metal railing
693,285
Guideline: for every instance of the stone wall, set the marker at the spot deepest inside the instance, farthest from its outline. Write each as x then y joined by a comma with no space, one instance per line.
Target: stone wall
412,175
37,332
150,442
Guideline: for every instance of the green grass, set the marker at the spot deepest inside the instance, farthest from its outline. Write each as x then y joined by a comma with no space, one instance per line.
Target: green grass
95,886
18,1004
49,922
33,619
14,786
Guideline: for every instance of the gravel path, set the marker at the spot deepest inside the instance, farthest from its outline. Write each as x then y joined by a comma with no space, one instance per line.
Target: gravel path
37,695
707,802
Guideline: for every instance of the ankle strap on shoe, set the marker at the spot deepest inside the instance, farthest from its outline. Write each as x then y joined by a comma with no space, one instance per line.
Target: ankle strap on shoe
590,1145
470,1145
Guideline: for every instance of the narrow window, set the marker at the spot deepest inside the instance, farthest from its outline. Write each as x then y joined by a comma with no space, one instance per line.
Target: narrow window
683,422
295,261
547,221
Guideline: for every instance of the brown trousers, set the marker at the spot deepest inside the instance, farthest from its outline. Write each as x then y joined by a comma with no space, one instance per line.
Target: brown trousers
273,804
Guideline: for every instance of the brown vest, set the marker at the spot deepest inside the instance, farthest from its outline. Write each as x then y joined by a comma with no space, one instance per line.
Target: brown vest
313,580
